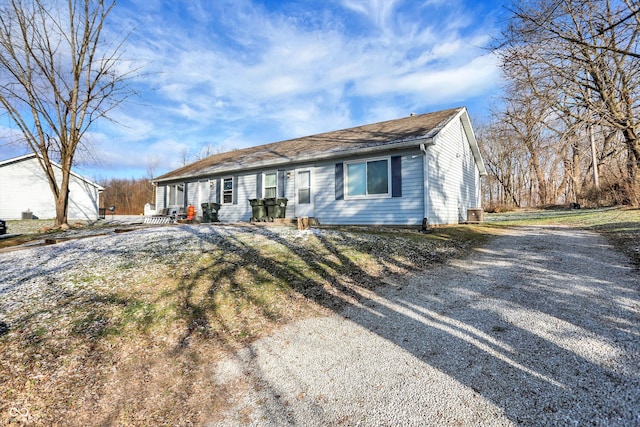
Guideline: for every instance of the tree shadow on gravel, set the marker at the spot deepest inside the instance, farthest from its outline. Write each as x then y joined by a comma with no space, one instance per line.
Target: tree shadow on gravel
540,327
544,327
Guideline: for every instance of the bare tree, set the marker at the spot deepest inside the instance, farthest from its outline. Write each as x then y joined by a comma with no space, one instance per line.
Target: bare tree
581,55
58,76
152,165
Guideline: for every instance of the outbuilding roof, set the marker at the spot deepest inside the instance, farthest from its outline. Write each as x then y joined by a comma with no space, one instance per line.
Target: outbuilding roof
401,133
30,156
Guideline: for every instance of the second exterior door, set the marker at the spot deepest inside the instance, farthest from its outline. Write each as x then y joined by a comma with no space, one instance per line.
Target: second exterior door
304,193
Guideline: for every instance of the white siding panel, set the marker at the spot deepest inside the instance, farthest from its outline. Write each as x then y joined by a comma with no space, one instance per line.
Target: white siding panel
160,199
23,187
83,200
405,210
192,193
241,210
453,176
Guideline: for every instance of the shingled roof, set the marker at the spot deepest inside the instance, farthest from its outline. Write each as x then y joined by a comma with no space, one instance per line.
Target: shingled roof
368,138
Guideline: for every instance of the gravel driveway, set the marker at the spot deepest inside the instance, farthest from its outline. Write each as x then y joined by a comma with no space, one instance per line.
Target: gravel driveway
540,327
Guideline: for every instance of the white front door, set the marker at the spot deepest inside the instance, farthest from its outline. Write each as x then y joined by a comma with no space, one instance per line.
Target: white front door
203,196
304,193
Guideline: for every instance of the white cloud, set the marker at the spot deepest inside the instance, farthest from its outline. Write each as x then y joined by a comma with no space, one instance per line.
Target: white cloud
218,71
378,11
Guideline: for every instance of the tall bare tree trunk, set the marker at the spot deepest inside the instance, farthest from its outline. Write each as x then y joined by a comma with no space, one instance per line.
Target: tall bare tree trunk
58,76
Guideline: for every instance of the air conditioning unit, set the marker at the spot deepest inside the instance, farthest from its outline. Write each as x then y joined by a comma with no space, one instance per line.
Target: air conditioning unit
475,215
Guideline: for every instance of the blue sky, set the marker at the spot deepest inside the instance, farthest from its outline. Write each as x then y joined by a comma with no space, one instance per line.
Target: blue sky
220,75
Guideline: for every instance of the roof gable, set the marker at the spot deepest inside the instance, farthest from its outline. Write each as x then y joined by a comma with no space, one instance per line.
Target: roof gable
56,165
372,137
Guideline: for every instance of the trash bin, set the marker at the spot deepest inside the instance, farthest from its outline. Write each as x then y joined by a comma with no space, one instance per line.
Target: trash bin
206,212
3,227
258,210
27,215
215,208
281,208
210,212
270,207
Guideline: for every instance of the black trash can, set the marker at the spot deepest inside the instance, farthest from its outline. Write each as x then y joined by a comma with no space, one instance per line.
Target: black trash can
258,210
281,208
270,207
3,227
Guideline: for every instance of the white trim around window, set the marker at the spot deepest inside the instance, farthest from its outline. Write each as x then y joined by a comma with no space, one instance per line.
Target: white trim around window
175,195
303,187
270,185
365,179
226,193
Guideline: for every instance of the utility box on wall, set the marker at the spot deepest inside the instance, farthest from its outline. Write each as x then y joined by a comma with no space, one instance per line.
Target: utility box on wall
475,215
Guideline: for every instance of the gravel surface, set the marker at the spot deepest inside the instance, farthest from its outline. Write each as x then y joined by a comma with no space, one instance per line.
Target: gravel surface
540,327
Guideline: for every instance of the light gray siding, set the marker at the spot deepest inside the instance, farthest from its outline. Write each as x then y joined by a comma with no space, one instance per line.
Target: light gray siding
192,193
245,189
453,178
160,197
24,187
405,210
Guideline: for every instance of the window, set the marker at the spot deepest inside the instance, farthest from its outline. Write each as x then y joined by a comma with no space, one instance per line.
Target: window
227,191
368,178
304,187
270,185
176,195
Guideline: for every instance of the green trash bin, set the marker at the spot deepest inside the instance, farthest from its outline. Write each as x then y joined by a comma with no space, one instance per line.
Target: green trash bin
215,208
281,208
258,210
206,212
210,212
270,207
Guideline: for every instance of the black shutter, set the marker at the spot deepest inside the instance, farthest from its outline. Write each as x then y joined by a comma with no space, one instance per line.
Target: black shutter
396,176
259,185
218,191
164,196
339,181
280,183
234,197
185,196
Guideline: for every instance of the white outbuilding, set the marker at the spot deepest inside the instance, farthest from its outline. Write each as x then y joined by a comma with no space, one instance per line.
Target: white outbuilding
25,192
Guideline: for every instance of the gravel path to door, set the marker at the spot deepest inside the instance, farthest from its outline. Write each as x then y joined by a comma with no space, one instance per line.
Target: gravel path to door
540,327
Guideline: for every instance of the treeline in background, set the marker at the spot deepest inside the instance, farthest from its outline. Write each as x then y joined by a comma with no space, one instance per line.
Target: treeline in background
127,195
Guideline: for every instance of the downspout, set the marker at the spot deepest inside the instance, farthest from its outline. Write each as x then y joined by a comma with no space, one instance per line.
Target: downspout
425,190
